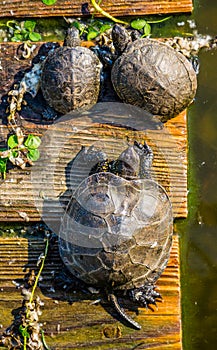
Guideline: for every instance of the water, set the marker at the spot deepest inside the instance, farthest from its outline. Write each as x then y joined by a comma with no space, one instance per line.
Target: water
199,232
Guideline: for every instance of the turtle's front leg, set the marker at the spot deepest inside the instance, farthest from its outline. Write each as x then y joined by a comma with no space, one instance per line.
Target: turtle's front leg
146,159
145,295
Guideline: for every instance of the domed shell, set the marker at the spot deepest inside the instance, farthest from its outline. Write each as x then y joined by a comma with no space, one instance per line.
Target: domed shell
117,233
155,77
71,78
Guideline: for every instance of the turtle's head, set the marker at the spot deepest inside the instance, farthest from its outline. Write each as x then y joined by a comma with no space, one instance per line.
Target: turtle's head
72,38
121,38
139,157
131,157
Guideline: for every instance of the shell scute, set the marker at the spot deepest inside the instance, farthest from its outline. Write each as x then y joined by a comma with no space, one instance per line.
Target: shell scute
123,233
153,76
71,78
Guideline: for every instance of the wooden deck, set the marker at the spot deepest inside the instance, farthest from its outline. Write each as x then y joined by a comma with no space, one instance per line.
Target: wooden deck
69,319
25,8
22,189
82,325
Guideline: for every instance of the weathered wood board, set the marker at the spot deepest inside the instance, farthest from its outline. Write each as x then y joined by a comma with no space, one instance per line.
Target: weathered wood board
70,321
25,8
82,325
22,190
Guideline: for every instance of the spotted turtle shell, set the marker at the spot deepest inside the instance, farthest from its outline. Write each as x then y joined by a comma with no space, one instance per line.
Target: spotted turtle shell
153,76
71,78
117,233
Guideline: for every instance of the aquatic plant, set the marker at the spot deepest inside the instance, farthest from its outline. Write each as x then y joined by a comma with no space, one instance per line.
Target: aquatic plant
20,151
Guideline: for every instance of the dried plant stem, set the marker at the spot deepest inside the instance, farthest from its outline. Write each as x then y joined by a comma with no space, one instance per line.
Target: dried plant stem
40,271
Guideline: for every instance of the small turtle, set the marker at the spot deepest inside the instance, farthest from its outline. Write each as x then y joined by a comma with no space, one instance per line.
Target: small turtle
71,76
116,233
152,75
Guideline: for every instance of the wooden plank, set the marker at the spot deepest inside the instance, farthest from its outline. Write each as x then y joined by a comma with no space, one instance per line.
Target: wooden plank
18,193
78,324
23,8
82,325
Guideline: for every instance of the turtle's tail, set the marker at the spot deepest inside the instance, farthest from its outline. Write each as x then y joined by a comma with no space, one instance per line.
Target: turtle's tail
114,301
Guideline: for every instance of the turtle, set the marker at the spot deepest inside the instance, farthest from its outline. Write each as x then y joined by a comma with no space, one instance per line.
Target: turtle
152,75
71,76
116,233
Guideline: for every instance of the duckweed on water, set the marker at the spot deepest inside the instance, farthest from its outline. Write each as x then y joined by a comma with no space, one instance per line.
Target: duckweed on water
53,29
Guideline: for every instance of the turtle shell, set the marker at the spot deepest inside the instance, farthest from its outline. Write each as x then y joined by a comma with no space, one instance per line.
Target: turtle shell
155,77
71,78
117,233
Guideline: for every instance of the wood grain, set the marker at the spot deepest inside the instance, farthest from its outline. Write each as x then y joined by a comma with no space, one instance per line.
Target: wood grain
78,324
35,8
23,190
70,320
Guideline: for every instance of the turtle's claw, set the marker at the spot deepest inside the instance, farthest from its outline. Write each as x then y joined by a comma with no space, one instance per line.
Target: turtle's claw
145,295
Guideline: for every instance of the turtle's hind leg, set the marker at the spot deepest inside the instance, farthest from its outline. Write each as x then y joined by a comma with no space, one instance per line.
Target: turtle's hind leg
145,295
114,301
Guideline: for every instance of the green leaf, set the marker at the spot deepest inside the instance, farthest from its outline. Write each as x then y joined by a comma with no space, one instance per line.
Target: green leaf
30,25
77,25
92,34
104,27
17,38
138,23
23,331
19,31
25,36
147,30
14,154
49,2
13,141
33,36
32,142
33,154
3,166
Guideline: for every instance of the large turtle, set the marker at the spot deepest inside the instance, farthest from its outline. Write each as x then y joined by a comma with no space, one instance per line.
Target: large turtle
116,233
152,75
71,76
